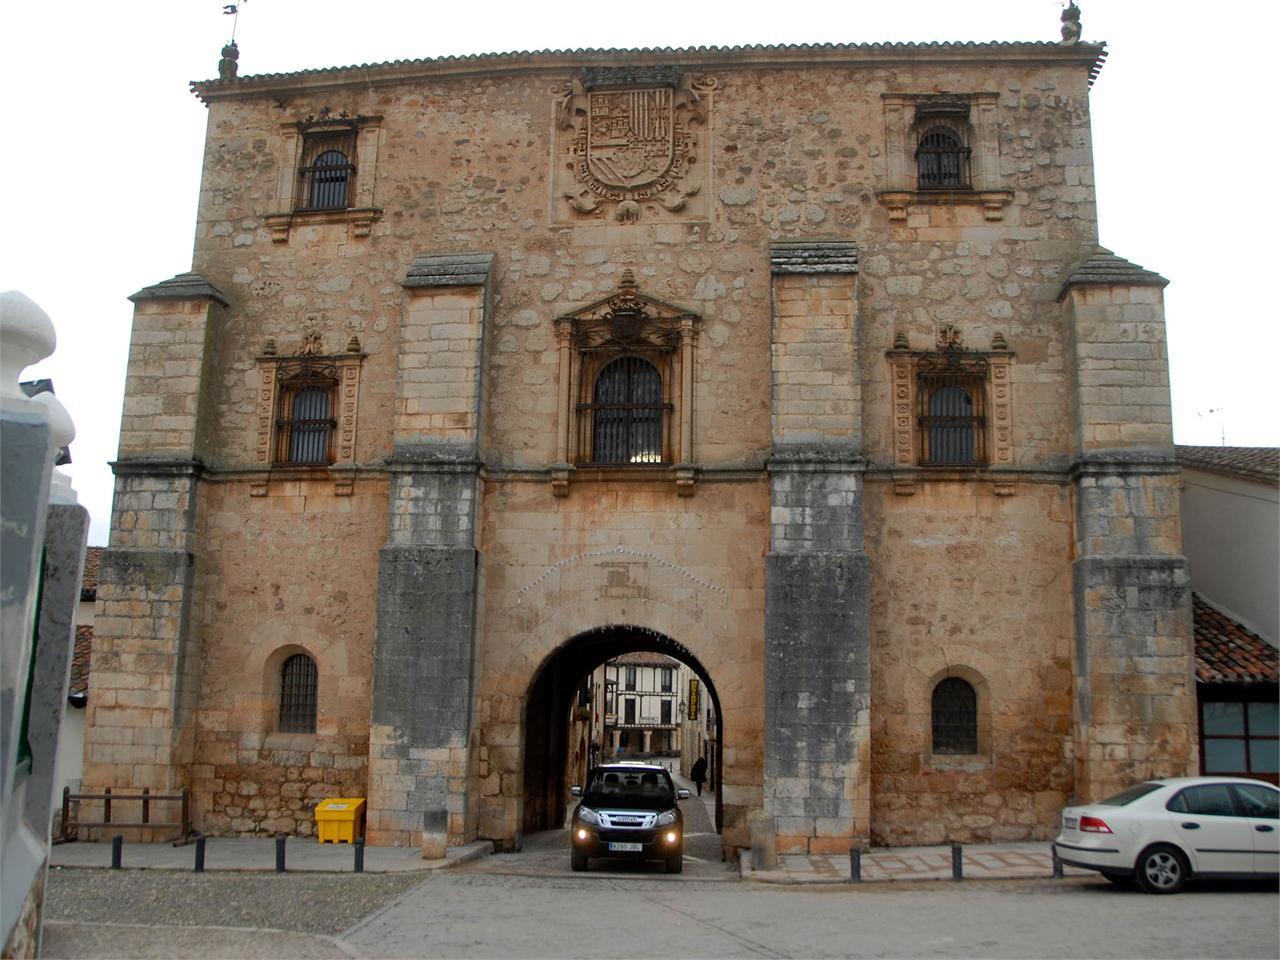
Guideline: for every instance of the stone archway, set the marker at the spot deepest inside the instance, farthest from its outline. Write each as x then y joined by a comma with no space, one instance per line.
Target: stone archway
546,743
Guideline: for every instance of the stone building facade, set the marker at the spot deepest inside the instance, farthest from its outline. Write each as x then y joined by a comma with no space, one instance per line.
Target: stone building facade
802,365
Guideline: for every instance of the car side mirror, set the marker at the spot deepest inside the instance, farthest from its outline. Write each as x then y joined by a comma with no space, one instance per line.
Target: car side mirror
576,790
682,794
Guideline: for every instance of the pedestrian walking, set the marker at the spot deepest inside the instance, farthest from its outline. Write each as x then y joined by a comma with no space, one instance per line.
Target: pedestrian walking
698,774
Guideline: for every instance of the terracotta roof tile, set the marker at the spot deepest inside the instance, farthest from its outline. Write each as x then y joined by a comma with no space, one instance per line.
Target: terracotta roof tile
1252,463
1092,53
89,582
80,661
1228,653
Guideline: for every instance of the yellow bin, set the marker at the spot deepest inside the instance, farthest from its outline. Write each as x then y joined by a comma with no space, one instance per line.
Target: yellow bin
340,819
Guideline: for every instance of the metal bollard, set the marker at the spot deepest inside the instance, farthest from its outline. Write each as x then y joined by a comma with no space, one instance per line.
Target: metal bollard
855,864
199,854
957,862
1057,864
117,851
280,854
359,854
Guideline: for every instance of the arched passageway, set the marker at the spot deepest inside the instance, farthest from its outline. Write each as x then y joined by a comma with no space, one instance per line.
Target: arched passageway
546,719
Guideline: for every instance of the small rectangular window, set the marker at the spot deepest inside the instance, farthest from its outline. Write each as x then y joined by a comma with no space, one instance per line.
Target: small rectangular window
666,679
630,682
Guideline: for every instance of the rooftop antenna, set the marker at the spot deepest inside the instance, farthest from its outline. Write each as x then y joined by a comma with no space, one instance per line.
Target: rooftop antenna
227,66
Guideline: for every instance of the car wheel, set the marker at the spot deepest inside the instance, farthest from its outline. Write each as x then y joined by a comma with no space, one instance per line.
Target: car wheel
577,861
1162,869
675,864
1119,879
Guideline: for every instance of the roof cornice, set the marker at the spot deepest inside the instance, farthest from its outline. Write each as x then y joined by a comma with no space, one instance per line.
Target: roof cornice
1088,56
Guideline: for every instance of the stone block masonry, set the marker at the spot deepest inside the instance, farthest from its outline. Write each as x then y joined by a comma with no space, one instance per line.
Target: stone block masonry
817,577
422,693
468,536
1135,692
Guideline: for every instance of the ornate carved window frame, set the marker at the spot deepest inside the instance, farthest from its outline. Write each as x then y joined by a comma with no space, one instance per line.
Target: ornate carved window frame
625,324
300,142
986,370
273,372
974,120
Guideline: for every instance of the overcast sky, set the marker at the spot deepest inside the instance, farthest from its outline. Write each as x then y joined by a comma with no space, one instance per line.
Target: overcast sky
102,152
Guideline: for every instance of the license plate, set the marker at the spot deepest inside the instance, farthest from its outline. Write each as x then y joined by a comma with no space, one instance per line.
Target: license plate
626,847
1070,823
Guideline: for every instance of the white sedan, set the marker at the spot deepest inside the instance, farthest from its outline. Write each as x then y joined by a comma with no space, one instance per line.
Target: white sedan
1163,832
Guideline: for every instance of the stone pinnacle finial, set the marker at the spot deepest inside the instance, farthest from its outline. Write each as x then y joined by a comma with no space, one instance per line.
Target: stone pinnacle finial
227,66
1071,23
628,281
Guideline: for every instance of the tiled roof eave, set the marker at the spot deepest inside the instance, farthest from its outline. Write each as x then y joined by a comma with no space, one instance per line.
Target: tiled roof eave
1249,463
1088,56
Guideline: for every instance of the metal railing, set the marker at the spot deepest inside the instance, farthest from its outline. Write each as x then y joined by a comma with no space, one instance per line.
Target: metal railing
146,798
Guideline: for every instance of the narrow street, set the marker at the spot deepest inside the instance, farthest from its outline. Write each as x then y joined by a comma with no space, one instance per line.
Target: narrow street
546,854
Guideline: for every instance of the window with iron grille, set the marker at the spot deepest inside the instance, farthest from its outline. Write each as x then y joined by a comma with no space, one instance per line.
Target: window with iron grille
942,160
955,717
951,421
305,424
328,170
298,695
627,410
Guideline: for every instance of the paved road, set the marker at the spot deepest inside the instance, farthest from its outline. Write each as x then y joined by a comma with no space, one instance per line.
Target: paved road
466,913
472,912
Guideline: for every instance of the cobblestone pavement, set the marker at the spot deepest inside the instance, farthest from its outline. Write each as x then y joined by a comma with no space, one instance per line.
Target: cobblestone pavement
467,913
89,941
310,903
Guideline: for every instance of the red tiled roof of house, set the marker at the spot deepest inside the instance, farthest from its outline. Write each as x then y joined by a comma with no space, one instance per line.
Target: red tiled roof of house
80,661
1228,653
89,582
1252,463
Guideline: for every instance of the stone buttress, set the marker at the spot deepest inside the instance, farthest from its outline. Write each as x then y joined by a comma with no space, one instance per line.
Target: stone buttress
139,731
817,583
424,656
1135,689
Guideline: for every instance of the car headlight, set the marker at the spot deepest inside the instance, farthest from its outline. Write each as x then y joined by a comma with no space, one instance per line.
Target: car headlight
666,818
587,815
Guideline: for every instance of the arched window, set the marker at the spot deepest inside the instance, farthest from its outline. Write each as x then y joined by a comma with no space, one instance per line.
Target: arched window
942,160
298,695
955,717
329,175
951,424
628,411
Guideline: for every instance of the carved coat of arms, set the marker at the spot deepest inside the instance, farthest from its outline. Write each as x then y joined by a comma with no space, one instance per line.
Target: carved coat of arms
628,148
